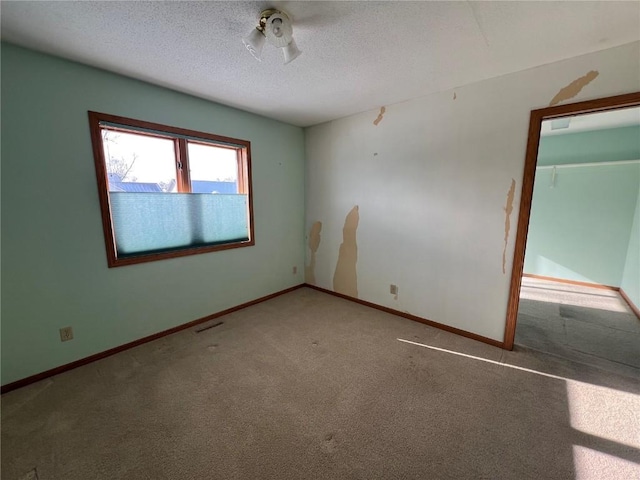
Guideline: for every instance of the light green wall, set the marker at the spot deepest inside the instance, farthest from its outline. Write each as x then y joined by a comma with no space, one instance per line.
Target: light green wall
580,229
54,267
631,276
587,147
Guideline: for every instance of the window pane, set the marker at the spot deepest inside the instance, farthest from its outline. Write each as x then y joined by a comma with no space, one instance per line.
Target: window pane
213,169
207,206
139,163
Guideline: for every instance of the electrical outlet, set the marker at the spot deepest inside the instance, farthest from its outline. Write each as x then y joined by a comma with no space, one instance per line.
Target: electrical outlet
295,269
66,334
393,289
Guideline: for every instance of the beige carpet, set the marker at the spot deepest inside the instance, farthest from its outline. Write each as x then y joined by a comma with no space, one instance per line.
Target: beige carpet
584,324
309,386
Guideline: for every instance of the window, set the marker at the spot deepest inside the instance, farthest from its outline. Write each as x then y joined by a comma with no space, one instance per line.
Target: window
167,192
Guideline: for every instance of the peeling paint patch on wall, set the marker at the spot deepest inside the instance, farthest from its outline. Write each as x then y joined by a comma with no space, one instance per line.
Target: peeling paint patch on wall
314,243
507,222
574,88
345,278
380,116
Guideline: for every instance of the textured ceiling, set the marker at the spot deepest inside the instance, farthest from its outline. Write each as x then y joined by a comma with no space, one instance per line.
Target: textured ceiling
356,55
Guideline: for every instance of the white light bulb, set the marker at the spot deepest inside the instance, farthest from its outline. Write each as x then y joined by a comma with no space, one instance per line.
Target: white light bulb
278,30
277,27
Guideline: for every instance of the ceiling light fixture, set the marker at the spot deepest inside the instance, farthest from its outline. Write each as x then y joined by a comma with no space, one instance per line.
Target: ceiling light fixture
274,26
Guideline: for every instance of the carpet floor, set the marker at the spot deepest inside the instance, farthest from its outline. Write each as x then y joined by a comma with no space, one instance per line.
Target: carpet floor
309,386
585,324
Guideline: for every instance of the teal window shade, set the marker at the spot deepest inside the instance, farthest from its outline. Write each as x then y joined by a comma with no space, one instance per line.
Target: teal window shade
146,223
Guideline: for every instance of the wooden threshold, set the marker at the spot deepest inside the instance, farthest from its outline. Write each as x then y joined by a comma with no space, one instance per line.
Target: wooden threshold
112,351
572,282
632,305
415,318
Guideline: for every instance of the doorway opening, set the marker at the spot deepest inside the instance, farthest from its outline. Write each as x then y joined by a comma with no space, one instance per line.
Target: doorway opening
575,285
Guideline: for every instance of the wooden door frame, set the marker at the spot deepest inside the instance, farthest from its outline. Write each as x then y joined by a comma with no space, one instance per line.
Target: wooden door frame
531,159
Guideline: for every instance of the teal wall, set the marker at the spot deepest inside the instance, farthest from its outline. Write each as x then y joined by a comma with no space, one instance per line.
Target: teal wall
587,147
631,275
54,268
580,229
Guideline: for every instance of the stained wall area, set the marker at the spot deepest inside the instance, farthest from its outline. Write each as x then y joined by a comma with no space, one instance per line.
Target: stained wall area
432,179
54,265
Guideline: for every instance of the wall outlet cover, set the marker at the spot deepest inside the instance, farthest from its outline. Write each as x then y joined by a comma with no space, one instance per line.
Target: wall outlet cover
66,334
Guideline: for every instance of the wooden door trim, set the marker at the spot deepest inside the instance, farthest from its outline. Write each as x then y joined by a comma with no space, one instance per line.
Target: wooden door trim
531,159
